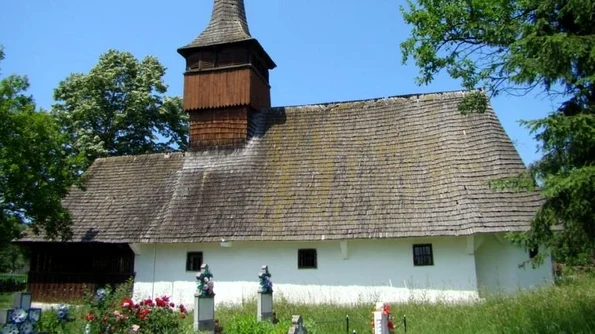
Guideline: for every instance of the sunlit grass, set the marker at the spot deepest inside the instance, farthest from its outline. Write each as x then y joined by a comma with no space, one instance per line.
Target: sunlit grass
569,308
566,308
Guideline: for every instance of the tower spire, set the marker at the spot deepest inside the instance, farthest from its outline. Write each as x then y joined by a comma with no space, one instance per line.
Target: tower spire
228,24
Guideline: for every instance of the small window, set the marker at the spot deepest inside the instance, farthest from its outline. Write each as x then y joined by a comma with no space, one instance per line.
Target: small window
307,259
422,255
193,261
533,252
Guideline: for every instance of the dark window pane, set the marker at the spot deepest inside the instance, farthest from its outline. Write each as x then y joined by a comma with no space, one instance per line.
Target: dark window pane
307,259
422,255
193,261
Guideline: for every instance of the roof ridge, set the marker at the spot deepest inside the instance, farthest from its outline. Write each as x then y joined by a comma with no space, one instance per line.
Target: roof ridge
376,99
137,156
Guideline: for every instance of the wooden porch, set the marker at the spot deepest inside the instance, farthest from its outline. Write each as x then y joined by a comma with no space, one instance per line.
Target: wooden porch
62,272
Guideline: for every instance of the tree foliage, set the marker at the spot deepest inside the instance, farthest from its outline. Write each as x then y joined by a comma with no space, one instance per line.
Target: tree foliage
514,47
120,108
35,166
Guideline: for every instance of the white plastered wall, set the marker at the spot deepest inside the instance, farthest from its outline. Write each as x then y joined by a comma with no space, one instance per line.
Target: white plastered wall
498,271
351,272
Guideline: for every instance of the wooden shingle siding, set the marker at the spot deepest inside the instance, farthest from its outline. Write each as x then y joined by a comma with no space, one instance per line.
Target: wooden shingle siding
218,127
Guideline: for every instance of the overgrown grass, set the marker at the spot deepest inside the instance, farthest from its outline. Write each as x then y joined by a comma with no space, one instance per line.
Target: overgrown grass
565,308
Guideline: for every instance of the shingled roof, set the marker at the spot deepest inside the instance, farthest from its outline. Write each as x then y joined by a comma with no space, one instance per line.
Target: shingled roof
228,24
409,166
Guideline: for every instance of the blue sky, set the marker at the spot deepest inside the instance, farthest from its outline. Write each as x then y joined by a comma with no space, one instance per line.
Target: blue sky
325,50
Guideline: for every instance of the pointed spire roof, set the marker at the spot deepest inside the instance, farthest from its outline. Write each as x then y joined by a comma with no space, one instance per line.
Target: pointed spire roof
228,24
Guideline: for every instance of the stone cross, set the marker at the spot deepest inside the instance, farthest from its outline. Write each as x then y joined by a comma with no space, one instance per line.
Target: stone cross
297,325
204,301
265,295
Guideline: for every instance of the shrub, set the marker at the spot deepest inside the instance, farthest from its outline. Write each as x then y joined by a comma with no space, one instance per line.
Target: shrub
10,283
114,312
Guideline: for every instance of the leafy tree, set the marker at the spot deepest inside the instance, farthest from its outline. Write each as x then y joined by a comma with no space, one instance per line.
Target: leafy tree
119,108
514,47
35,168
11,258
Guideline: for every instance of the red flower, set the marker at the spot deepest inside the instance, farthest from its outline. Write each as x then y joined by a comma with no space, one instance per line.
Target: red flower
144,313
172,305
386,310
127,303
391,325
160,302
90,316
183,309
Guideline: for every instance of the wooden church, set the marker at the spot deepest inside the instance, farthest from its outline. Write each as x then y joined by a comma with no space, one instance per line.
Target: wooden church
375,199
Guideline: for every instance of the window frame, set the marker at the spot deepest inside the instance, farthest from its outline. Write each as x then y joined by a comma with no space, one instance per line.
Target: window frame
420,260
310,254
189,263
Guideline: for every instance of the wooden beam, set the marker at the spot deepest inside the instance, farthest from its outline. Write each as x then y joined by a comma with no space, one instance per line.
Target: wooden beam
470,244
135,248
500,238
478,241
344,249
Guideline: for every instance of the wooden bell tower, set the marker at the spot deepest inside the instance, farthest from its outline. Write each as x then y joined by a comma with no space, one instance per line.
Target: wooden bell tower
226,79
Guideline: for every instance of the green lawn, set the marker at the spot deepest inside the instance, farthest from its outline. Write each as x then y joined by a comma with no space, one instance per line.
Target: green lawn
5,300
18,277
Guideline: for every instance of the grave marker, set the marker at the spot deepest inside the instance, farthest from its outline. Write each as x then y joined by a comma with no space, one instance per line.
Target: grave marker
265,295
204,301
21,317
297,325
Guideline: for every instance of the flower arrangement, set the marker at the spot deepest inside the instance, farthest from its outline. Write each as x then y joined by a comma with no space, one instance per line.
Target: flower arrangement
147,316
266,285
385,309
205,283
21,321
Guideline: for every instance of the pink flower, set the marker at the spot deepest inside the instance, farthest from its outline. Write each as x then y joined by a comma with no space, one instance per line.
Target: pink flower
135,328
